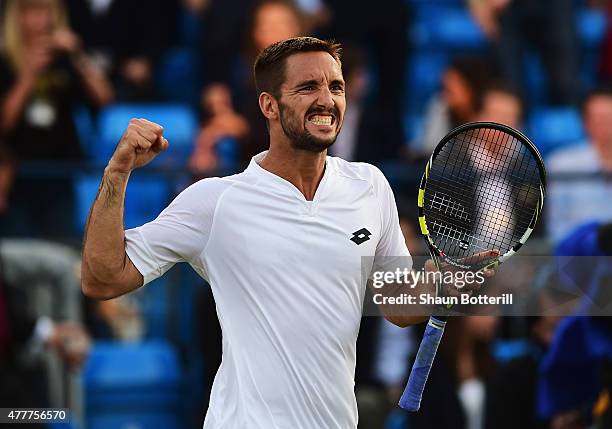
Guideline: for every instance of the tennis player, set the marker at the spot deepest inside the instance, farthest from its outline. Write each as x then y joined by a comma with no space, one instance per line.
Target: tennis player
281,245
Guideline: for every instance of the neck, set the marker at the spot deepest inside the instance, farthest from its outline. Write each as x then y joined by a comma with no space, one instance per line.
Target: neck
301,168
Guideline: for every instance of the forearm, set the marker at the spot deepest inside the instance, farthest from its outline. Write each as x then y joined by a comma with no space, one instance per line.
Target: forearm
97,86
14,103
104,257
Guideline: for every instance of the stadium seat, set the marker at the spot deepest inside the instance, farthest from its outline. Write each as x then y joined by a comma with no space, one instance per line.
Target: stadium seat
551,128
592,26
135,385
424,73
179,122
146,198
85,128
178,76
446,27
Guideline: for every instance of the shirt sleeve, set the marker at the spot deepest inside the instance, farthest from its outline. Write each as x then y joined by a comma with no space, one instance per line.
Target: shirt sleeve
391,251
179,234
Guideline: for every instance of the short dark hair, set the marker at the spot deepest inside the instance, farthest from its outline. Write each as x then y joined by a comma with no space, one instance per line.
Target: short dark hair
269,69
477,71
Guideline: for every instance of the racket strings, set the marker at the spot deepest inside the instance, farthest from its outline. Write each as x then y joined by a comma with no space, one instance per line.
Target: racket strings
481,194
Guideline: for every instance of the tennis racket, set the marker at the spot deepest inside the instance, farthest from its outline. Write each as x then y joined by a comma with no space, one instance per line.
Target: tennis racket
483,189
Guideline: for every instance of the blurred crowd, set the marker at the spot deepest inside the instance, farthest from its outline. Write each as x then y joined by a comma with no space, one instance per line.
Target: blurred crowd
64,64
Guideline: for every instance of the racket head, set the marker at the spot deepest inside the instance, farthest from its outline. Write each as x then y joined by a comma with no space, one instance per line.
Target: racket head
483,189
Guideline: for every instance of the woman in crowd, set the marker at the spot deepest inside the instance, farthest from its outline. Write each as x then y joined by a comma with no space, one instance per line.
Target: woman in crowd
43,75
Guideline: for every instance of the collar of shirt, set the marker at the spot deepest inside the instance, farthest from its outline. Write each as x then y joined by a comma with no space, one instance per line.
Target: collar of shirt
283,185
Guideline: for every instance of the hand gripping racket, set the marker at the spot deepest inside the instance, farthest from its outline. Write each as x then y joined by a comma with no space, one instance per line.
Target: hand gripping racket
483,189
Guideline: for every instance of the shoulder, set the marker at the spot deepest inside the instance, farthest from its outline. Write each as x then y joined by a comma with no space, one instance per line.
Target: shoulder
357,170
577,158
204,195
364,173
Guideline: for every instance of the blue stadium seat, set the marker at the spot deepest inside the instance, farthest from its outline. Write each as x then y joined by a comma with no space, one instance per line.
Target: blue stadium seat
179,122
85,127
592,25
551,128
135,385
146,198
535,79
424,73
437,26
179,76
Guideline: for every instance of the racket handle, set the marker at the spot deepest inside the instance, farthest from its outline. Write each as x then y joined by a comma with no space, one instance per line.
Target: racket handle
413,393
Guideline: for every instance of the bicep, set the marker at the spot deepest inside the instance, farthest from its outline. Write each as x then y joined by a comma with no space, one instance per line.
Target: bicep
132,278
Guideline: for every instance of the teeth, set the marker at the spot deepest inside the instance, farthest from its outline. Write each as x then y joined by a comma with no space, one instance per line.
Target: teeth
321,120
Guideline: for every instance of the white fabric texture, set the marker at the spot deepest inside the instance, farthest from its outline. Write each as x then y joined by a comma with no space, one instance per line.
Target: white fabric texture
287,282
580,158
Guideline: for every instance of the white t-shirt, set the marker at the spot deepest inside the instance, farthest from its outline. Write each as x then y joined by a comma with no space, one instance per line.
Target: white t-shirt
288,283
580,158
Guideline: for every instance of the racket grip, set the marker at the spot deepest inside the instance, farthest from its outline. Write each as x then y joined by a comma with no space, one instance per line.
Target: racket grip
413,393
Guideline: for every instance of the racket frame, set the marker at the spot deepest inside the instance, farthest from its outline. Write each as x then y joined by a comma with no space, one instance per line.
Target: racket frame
436,253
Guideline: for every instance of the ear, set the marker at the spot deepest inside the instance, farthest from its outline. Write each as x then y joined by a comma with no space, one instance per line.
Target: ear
268,105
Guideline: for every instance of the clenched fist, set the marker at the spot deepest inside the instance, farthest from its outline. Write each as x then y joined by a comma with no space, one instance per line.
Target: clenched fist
142,141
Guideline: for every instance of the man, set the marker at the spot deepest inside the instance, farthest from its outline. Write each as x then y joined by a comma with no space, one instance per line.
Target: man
579,190
596,155
281,245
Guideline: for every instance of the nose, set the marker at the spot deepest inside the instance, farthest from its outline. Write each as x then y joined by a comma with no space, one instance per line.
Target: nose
325,98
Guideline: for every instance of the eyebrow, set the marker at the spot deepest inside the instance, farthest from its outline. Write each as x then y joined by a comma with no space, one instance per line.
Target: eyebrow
307,83
316,82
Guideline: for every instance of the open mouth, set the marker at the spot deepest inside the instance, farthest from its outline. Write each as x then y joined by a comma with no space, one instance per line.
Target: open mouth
321,119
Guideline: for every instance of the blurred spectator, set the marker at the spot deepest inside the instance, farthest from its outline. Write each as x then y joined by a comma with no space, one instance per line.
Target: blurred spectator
220,121
462,85
549,26
596,155
43,75
39,312
125,39
43,71
502,104
116,319
269,22
579,190
575,376
461,377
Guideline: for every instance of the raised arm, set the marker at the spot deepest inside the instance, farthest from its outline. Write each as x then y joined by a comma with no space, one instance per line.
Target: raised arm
107,272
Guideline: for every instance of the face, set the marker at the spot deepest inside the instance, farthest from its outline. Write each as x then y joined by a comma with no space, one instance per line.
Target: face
36,20
598,123
457,93
273,23
312,102
502,108
216,99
